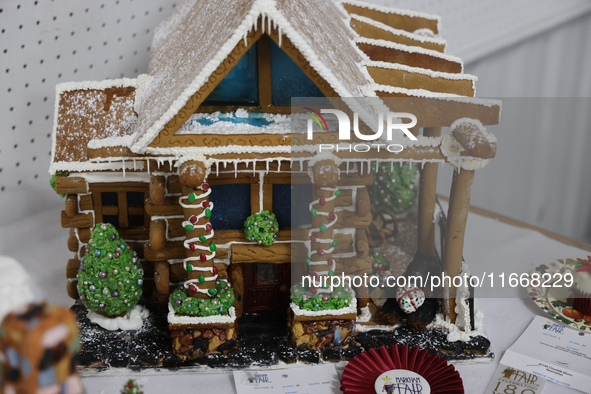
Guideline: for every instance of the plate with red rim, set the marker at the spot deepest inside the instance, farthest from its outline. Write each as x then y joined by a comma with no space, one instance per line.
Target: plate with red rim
554,299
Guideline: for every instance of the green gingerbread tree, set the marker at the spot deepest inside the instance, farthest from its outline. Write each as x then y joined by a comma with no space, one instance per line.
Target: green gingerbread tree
110,277
395,186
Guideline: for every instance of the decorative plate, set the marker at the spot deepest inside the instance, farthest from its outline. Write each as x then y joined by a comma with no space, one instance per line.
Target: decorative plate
400,370
554,300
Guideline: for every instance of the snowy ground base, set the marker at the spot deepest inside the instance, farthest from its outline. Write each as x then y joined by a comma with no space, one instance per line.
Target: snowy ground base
262,344
132,320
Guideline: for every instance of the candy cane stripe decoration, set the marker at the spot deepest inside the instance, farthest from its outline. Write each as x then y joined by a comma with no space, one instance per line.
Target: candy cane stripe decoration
201,272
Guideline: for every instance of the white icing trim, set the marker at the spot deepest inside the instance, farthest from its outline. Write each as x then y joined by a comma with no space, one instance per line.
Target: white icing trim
131,321
398,32
452,149
78,166
173,318
109,142
424,71
391,10
352,308
410,49
114,177
364,316
435,95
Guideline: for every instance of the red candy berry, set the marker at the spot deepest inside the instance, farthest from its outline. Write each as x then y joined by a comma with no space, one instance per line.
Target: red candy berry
329,262
202,257
214,270
208,227
193,288
205,204
193,219
312,238
205,186
322,201
332,216
320,252
314,274
313,290
192,246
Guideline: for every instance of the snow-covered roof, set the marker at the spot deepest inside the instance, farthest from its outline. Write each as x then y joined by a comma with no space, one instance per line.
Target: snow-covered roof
86,111
190,45
198,36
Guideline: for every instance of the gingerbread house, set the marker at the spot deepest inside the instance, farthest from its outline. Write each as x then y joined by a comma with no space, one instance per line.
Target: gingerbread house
178,158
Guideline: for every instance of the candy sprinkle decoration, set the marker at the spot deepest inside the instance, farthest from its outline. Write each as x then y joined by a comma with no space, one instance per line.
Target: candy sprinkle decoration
261,228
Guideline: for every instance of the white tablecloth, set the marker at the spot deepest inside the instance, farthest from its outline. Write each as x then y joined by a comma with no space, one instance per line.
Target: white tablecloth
39,243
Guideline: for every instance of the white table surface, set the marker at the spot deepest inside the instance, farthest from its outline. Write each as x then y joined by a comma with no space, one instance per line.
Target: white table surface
39,243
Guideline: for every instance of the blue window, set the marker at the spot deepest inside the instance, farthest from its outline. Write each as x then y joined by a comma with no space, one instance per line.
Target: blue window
291,204
231,206
288,80
241,85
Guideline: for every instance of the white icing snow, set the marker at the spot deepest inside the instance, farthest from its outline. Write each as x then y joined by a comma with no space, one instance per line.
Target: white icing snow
173,318
112,177
280,124
435,95
455,333
462,295
413,36
364,316
77,166
452,149
15,291
109,142
424,71
410,49
132,320
390,10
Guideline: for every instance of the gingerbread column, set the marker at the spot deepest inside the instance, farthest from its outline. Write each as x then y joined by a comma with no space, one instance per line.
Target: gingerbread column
201,273
325,178
427,200
457,214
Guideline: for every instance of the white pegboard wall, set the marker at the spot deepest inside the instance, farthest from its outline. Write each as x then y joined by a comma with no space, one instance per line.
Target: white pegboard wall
46,42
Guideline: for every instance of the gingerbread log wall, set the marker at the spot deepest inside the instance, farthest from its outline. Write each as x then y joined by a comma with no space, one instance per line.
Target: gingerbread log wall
80,215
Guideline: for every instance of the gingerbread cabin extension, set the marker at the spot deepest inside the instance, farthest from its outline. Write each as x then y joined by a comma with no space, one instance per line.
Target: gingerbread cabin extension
177,159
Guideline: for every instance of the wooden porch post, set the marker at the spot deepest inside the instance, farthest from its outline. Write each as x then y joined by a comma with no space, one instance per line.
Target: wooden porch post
457,214
427,197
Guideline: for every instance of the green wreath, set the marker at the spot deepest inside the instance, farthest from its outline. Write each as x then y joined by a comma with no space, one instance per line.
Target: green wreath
261,228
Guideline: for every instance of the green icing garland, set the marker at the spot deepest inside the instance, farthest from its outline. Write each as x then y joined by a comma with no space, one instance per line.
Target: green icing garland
394,188
184,304
110,277
261,228
305,299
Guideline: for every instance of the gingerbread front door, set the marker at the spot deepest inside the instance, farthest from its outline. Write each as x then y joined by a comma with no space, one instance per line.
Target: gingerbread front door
266,287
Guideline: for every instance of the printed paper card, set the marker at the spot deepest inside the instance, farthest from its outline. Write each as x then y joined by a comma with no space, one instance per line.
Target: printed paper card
320,379
555,352
510,380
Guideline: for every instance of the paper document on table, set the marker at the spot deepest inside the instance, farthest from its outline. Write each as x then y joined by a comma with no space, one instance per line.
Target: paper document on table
511,380
320,379
555,352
